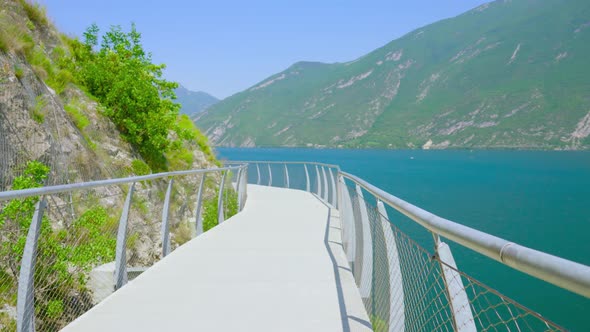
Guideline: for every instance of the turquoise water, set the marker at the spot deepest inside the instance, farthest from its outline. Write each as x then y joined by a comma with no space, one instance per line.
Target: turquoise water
535,198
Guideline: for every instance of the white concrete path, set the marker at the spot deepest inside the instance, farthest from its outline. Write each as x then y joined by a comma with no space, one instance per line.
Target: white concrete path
272,267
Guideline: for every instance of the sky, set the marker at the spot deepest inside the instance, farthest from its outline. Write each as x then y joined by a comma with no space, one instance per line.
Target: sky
224,47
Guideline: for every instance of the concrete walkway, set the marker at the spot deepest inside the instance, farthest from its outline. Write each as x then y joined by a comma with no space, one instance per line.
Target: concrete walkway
276,266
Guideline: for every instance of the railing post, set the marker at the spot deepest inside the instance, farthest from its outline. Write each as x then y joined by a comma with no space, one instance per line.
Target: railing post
286,176
238,182
258,172
306,178
349,223
367,268
220,215
198,217
269,175
333,186
165,231
25,303
340,210
244,188
121,254
319,179
326,190
396,289
458,300
338,185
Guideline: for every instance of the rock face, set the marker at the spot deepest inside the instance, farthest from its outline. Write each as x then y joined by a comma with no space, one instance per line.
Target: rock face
509,74
35,126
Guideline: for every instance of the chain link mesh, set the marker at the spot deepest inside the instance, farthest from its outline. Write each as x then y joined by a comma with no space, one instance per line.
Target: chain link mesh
416,296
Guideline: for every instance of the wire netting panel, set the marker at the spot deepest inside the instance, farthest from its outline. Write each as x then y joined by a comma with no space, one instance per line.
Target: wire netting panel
75,255
494,312
409,287
77,237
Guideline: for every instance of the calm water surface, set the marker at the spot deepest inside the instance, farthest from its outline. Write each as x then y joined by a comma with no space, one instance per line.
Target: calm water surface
535,198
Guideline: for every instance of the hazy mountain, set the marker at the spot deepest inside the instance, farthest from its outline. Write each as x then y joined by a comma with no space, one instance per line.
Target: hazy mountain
508,74
193,101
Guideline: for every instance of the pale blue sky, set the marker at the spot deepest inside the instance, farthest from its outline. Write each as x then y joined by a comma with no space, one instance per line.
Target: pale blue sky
223,47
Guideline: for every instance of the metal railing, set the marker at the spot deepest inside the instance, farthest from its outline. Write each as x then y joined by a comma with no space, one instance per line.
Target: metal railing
319,178
61,255
66,247
406,287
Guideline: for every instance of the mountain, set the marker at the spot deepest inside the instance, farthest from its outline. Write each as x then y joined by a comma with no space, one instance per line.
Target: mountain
507,74
193,102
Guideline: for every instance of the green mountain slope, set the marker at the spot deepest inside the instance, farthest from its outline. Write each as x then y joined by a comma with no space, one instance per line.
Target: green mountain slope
193,102
508,74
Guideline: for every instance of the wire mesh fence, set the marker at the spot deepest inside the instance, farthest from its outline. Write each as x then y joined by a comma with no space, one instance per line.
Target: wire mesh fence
407,287
403,285
17,147
74,259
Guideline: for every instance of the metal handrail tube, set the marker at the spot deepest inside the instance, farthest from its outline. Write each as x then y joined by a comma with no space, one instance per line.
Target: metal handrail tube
558,271
7,195
234,162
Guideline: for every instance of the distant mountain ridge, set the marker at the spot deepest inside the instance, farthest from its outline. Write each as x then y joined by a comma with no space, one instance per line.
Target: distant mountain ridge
193,102
507,74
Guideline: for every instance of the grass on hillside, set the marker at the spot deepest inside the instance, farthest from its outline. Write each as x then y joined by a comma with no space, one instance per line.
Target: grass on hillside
35,13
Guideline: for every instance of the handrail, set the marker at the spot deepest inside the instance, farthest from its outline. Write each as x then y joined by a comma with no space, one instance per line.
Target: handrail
558,271
234,162
7,195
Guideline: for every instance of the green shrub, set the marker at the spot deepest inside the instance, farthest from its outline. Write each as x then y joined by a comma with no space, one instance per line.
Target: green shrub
59,79
25,44
40,62
80,119
230,206
123,78
209,213
180,159
38,117
3,40
38,111
30,25
120,75
18,72
139,167
132,241
55,308
187,130
13,37
94,233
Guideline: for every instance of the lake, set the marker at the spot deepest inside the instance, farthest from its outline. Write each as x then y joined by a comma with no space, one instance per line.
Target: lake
539,199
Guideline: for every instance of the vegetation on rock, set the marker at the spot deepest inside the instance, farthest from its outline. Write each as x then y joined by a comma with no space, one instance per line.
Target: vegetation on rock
121,75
